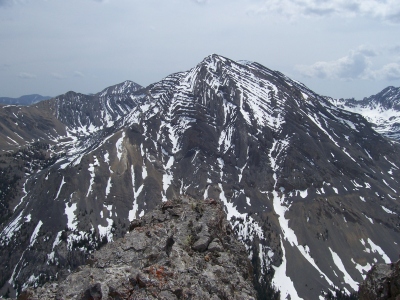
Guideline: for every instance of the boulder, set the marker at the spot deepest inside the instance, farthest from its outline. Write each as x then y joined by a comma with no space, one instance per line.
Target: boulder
381,283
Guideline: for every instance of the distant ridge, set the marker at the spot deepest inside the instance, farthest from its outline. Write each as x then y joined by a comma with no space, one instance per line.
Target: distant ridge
24,100
381,110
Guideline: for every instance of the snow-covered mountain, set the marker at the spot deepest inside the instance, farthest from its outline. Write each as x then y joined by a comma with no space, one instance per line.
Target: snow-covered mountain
382,110
65,118
310,189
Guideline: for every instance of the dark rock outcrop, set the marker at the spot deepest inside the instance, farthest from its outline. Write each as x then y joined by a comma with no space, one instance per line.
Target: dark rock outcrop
182,250
382,283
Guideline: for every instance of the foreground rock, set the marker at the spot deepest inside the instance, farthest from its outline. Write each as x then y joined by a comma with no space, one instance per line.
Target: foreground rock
182,250
382,283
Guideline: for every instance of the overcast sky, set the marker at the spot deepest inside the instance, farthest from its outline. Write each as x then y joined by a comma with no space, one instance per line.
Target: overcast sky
338,48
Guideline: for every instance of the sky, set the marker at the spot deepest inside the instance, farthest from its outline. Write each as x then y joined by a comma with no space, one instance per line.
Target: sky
338,48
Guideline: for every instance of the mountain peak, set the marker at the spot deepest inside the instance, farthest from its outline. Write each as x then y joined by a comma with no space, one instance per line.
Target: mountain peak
215,57
215,61
305,185
125,87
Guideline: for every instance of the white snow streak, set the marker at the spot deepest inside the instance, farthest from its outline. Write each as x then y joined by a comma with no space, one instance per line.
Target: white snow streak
135,206
70,212
346,277
35,234
92,174
119,145
376,249
59,189
108,187
283,282
167,177
388,210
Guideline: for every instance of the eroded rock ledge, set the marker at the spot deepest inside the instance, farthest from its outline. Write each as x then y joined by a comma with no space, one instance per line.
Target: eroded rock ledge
182,250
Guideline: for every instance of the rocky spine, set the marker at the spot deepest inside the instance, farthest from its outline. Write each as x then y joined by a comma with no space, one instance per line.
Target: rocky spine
185,249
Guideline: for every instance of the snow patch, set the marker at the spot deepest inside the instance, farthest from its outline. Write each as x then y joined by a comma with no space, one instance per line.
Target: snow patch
9,231
35,234
22,198
106,231
302,194
71,218
362,269
346,277
388,210
376,249
283,282
59,189
389,186
248,201
119,145
108,187
135,206
369,219
167,177
92,174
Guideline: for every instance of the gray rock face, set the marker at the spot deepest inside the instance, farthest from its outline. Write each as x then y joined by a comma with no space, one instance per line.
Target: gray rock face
165,258
382,283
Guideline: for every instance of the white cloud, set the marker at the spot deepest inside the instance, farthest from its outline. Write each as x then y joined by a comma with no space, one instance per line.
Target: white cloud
395,49
200,1
355,65
11,2
106,32
6,2
78,74
25,75
387,72
57,76
388,10
5,66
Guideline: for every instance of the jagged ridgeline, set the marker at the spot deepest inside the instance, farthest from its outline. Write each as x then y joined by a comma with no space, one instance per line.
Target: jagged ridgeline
382,110
309,188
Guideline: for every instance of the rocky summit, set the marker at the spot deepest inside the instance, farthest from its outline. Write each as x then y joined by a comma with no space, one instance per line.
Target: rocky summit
310,189
184,249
